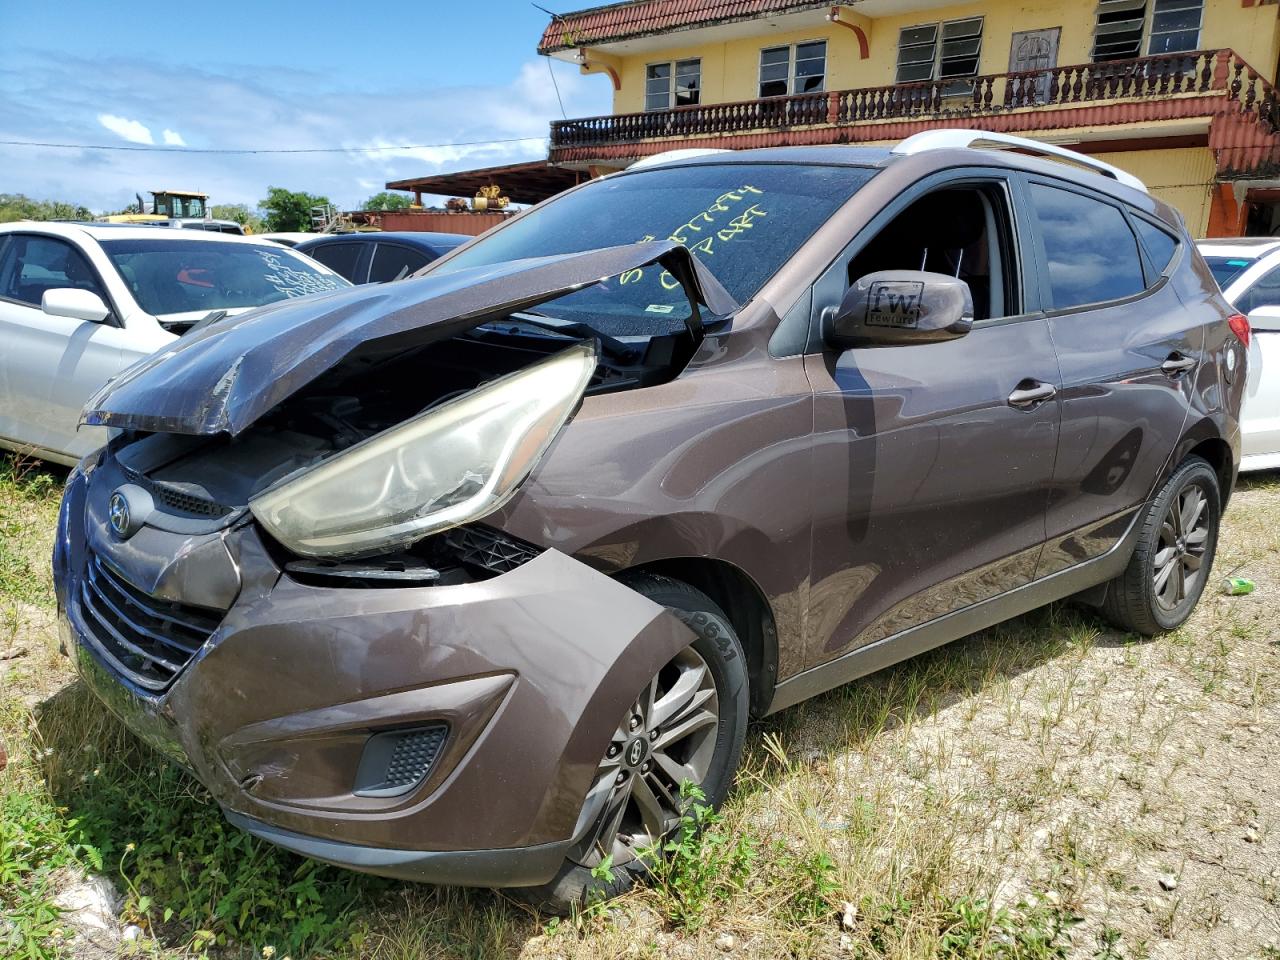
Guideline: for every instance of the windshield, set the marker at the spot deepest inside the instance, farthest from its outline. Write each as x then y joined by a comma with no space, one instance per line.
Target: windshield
1226,269
742,220
179,276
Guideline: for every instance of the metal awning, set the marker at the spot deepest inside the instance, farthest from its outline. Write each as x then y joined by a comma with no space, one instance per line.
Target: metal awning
523,182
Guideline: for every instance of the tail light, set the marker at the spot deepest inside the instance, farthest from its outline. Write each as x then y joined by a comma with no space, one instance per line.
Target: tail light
1239,325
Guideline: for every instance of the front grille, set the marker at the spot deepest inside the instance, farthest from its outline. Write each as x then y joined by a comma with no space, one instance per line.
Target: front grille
188,503
488,549
151,640
175,498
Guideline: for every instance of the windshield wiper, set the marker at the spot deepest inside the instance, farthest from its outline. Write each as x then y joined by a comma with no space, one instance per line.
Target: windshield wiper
574,329
213,316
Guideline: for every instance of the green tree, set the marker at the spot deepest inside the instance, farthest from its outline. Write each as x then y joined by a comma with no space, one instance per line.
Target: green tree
240,213
16,206
386,200
287,211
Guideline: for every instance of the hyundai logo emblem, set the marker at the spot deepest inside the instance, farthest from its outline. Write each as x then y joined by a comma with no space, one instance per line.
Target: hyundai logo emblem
128,509
635,752
118,514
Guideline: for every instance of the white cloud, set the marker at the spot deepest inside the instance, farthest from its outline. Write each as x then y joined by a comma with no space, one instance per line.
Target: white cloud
132,130
226,108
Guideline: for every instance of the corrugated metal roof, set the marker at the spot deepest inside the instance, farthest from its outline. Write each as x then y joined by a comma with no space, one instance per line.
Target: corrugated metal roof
638,18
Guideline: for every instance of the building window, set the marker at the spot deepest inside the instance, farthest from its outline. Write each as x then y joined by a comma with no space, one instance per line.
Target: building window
1117,34
940,51
668,85
1175,26
1172,26
798,69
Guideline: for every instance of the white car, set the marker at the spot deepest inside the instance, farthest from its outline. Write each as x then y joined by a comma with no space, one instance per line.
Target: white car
1248,270
81,302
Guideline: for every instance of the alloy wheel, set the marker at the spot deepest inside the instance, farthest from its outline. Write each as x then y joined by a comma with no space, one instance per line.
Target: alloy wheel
666,737
1179,557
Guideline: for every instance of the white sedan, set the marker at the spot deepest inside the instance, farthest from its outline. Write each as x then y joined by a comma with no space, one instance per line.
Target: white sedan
81,302
1248,270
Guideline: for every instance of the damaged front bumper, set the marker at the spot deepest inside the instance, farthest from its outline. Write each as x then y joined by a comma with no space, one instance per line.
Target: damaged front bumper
439,733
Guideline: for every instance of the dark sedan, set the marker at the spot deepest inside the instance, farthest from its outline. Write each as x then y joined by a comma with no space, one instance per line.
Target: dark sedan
379,257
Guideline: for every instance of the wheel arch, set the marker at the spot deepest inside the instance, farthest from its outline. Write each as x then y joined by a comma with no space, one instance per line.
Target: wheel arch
1205,441
747,608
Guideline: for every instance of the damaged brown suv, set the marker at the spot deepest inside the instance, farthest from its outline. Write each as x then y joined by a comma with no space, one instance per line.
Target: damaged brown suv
460,578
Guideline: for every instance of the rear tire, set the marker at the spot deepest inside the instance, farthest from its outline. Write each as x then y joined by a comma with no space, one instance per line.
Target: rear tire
718,650
1174,555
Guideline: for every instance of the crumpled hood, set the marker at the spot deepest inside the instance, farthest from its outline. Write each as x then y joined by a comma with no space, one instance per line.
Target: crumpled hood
224,377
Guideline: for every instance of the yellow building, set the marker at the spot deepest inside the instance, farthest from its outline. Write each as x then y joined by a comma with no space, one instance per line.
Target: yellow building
1178,92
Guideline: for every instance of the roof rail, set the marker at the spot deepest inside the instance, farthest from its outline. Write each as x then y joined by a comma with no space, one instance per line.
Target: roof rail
960,139
655,159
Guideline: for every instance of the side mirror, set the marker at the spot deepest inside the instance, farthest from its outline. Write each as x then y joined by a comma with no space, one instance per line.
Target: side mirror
898,307
73,303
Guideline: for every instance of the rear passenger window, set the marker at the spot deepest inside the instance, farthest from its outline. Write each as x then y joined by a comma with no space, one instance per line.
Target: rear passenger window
1091,252
341,258
1160,246
391,261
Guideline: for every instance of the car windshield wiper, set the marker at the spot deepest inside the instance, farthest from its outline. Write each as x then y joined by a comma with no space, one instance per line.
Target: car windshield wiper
213,316
573,329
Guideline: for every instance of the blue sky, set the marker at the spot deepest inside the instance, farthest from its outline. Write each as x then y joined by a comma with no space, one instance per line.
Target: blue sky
272,74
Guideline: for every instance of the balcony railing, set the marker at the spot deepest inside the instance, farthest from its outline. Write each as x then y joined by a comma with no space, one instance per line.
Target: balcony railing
1202,72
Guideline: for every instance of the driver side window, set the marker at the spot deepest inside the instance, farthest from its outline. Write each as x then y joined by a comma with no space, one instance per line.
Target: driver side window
962,231
32,265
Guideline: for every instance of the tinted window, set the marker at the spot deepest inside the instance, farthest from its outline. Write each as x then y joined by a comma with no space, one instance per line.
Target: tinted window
178,276
742,220
1264,293
36,264
1092,254
1160,246
392,261
339,257
1226,269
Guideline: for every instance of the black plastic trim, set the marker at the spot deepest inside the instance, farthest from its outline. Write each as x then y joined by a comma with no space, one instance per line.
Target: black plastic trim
510,867
960,623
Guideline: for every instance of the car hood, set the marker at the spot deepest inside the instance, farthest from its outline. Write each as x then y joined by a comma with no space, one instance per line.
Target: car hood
224,377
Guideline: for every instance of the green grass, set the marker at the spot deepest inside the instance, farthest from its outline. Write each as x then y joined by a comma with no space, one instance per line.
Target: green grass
909,802
28,509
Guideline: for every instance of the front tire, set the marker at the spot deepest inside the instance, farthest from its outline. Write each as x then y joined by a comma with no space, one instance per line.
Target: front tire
1172,561
688,722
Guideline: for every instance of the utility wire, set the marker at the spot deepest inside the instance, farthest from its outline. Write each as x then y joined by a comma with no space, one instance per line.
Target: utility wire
160,149
554,83
563,115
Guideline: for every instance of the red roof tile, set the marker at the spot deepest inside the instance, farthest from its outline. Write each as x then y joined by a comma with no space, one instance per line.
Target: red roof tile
638,18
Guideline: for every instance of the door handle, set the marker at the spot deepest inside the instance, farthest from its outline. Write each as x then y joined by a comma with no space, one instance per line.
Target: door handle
1031,393
1176,364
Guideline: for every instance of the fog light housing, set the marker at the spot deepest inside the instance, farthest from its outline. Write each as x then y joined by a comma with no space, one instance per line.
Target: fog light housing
396,761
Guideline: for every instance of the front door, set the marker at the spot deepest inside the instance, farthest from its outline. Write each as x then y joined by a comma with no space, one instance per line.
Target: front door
932,462
51,365
1034,50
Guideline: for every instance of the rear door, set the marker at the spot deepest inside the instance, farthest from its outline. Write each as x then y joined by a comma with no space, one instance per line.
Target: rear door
1128,350
349,259
1257,294
394,261
932,462
51,365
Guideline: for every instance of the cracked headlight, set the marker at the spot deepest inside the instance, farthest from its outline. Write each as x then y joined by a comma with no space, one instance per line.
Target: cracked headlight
450,465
